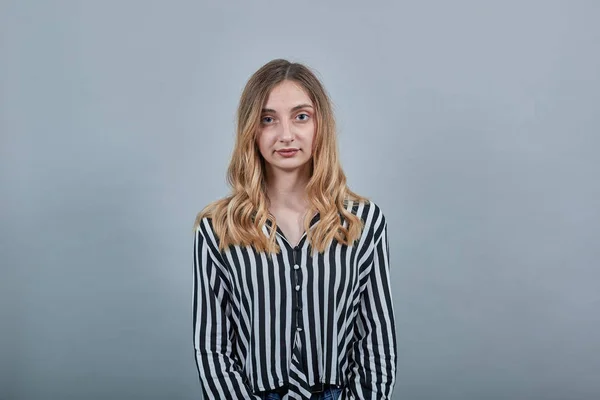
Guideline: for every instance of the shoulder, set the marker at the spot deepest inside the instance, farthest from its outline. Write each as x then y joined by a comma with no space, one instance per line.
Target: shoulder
205,237
369,211
204,225
204,231
373,219
210,212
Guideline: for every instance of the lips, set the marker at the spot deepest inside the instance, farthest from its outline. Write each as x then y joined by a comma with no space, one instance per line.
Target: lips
287,152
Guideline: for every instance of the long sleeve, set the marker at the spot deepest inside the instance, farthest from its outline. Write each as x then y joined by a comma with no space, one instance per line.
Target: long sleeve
373,359
218,368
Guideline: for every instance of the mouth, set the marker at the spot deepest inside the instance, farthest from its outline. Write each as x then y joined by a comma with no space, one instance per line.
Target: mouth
287,152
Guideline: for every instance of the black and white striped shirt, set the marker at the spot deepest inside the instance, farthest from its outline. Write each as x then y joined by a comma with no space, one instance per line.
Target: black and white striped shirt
250,312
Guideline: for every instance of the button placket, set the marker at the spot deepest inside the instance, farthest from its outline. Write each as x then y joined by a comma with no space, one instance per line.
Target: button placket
298,286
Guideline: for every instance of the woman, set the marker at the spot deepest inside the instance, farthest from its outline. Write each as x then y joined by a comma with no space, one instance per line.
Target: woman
291,276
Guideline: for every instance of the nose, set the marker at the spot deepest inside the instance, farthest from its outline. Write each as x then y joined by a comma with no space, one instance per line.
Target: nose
285,132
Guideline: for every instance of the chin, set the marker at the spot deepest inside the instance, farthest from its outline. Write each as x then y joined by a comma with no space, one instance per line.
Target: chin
290,165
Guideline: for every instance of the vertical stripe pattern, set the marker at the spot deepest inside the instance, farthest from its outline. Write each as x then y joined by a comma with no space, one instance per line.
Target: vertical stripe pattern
296,322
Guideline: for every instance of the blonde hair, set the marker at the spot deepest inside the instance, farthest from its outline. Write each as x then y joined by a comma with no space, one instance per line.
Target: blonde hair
238,218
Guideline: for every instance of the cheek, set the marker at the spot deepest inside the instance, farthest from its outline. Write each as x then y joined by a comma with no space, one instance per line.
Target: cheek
306,132
311,137
263,141
258,142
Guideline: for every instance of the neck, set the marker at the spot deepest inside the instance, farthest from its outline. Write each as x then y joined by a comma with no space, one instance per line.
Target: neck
287,189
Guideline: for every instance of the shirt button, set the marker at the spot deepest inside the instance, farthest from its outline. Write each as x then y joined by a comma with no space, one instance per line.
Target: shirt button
296,266
297,287
299,329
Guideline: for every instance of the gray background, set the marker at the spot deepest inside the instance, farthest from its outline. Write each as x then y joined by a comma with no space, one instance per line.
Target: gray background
475,126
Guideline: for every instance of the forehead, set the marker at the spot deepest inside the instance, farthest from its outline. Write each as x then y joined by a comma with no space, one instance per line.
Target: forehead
287,94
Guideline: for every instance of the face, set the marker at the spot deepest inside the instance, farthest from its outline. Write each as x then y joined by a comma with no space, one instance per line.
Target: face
287,123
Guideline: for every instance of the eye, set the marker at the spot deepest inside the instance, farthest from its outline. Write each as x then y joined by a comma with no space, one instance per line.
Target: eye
305,115
266,120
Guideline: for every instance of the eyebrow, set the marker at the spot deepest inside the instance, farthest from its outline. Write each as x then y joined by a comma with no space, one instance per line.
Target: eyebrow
295,108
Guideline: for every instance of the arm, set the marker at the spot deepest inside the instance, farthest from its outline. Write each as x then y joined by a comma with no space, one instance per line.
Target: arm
218,368
373,361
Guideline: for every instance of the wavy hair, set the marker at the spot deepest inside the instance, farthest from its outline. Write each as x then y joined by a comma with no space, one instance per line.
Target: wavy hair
238,218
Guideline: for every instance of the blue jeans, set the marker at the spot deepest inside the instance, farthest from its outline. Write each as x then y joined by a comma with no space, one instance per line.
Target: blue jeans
331,393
